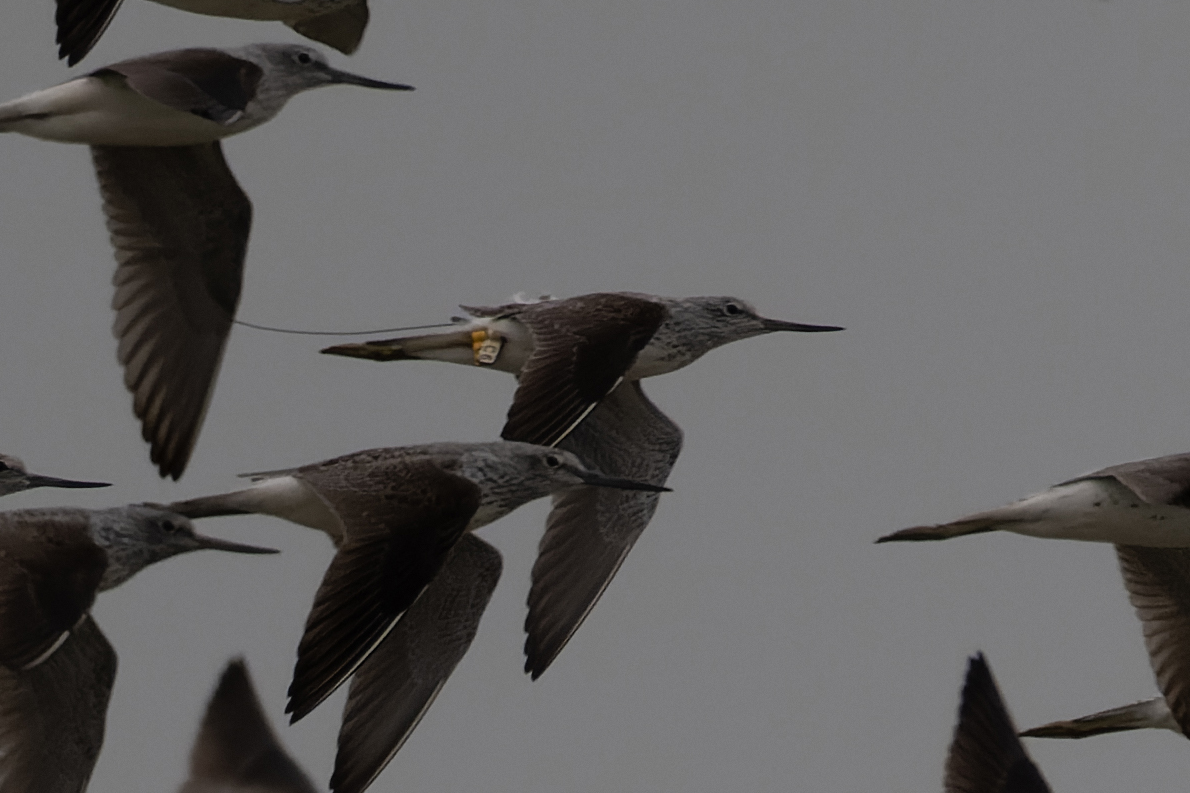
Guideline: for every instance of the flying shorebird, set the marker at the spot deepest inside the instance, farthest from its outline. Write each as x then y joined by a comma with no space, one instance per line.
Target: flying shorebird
1144,509
1145,503
14,478
986,756
579,362
336,23
236,750
56,667
397,517
178,220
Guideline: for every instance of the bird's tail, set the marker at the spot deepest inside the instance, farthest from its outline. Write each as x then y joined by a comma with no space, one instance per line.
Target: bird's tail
944,531
1150,714
403,349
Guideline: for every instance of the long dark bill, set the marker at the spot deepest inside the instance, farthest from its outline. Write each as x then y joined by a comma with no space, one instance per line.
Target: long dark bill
36,480
366,82
780,324
599,480
216,544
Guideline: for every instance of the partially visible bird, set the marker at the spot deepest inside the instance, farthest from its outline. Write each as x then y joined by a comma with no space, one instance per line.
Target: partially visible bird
336,23
579,361
1144,503
236,750
178,220
1143,508
56,667
986,756
1150,714
402,598
15,477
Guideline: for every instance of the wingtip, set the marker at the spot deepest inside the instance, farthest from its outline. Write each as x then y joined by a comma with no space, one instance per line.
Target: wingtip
80,25
301,703
295,713
169,466
532,669
539,656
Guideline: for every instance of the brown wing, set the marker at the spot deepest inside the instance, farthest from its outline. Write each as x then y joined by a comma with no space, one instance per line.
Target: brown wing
1158,584
1161,480
400,523
80,24
179,223
342,28
52,716
591,529
49,575
581,349
395,687
236,747
208,83
986,756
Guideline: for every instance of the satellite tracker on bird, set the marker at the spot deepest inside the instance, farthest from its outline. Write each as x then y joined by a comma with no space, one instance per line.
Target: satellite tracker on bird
579,362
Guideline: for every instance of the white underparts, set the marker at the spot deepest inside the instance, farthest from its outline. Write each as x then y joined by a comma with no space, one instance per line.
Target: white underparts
104,111
1097,510
289,498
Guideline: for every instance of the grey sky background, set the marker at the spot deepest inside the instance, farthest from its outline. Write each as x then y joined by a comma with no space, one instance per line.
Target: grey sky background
993,198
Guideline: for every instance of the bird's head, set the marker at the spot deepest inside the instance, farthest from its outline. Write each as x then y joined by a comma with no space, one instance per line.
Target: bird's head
728,319
292,68
137,535
14,478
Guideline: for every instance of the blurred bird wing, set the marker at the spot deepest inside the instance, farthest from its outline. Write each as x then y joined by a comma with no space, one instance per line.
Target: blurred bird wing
986,756
80,25
52,716
342,28
179,223
400,523
1158,584
236,747
396,685
591,529
582,347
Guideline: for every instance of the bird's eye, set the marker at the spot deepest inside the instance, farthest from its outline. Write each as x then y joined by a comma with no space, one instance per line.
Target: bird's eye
304,58
169,527
732,309
4,467
553,461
